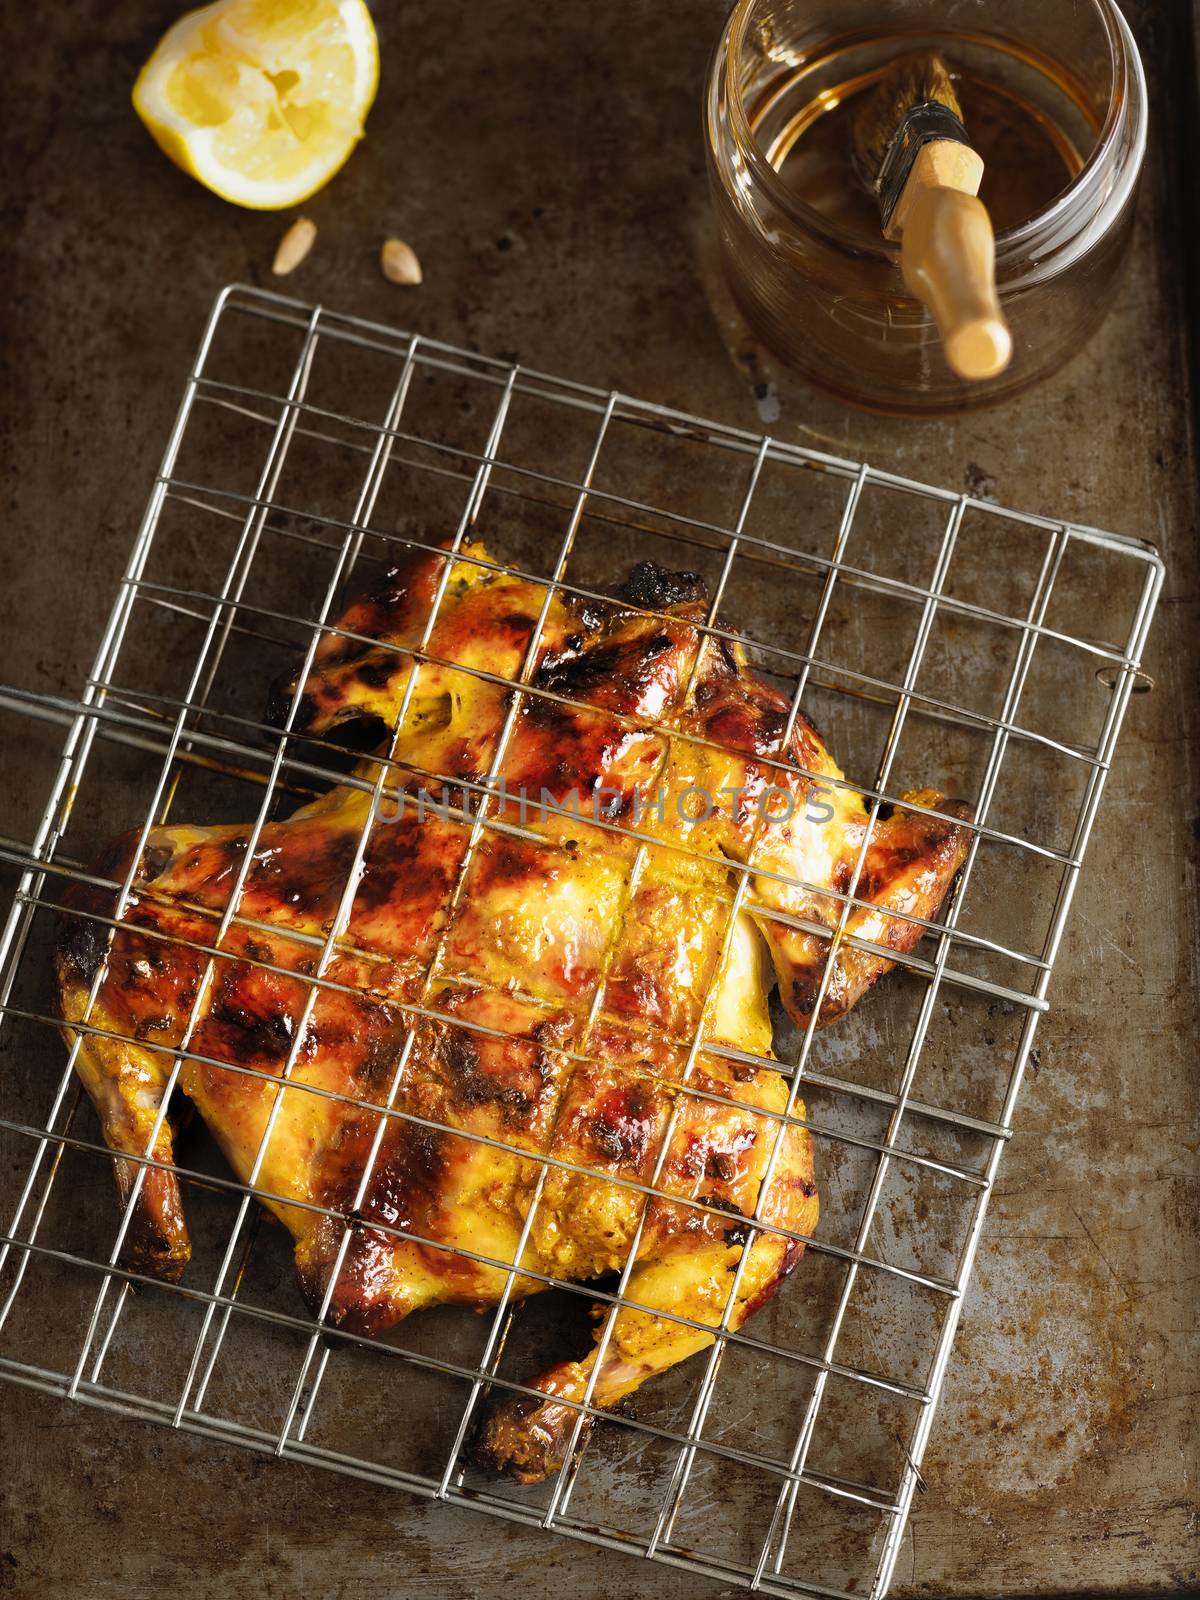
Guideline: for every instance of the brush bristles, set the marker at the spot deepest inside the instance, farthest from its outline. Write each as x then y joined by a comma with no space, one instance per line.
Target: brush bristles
910,81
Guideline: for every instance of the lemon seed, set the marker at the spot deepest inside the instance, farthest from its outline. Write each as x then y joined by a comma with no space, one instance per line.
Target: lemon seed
398,262
294,246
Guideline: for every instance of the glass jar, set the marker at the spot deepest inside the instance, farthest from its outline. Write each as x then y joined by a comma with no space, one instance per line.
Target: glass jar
1054,96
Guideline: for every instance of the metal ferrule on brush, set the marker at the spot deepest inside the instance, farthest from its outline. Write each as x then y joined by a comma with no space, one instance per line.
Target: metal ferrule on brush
921,125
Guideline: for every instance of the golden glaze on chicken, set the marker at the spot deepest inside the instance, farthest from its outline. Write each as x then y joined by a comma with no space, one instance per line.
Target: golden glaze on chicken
580,993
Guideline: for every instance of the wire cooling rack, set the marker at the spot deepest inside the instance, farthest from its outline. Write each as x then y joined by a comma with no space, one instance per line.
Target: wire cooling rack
933,637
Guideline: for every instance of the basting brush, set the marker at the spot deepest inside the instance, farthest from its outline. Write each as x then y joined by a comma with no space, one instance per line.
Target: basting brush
913,152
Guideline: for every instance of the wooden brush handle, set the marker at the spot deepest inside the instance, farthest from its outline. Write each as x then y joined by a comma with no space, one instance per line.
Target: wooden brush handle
948,257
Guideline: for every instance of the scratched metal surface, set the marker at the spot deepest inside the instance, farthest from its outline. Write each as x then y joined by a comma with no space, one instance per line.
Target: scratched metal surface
553,186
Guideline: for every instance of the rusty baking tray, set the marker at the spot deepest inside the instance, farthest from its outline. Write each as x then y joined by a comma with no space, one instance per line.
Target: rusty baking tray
931,635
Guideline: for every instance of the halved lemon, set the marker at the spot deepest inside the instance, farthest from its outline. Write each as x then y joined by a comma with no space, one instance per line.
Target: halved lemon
262,100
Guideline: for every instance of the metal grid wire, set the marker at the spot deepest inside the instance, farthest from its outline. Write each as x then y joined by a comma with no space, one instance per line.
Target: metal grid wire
920,628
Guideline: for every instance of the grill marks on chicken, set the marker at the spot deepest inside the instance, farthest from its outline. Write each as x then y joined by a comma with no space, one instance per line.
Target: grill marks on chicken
558,991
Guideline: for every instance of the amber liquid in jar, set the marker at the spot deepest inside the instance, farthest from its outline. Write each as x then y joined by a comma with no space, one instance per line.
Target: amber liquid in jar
1028,159
1056,105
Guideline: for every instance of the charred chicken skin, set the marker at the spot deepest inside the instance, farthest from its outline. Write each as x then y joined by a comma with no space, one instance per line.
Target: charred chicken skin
396,978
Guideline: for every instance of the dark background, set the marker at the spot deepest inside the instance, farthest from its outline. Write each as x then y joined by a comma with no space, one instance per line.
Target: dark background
546,164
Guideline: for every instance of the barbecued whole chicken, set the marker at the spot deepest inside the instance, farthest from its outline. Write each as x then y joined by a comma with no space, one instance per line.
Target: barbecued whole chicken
557,986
